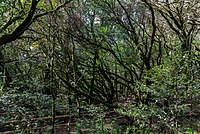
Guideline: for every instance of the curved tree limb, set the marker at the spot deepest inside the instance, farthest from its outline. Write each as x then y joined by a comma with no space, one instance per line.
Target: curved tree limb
21,28
27,22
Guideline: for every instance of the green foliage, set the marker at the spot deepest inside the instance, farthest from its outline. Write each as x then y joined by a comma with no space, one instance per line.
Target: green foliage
190,130
103,51
173,90
21,106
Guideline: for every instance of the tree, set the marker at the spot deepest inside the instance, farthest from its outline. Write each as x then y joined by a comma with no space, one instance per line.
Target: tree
103,51
20,20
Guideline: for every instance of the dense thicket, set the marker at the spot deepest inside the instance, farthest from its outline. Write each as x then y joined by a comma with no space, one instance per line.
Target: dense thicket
103,51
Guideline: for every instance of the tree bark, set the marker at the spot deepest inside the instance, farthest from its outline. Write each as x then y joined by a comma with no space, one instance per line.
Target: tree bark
22,27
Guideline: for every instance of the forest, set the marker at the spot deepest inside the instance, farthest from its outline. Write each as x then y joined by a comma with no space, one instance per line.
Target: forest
100,67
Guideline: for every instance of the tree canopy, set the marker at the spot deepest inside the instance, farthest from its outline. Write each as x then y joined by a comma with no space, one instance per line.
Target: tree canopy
138,56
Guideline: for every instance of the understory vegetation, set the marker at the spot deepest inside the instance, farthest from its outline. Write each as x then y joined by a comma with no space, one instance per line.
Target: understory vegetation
100,66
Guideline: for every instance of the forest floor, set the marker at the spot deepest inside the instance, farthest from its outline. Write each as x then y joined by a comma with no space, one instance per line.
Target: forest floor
105,121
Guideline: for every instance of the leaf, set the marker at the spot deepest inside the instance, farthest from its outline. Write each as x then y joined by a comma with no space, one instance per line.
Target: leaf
98,132
97,62
103,29
190,130
22,1
54,3
41,3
